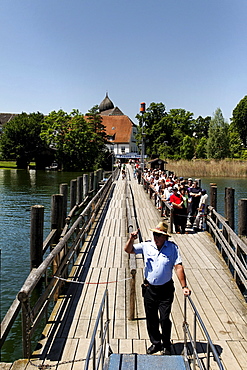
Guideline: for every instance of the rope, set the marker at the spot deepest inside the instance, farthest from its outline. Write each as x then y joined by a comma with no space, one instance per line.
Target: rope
85,282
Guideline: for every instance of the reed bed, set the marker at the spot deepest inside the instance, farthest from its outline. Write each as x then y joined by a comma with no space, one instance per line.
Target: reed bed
208,168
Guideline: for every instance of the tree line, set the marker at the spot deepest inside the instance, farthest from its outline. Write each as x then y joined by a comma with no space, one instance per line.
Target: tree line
177,135
77,142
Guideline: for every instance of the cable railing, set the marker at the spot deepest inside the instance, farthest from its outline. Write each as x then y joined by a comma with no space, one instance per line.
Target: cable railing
99,347
191,337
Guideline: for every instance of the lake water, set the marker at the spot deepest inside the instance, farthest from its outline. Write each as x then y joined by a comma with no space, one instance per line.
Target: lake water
19,190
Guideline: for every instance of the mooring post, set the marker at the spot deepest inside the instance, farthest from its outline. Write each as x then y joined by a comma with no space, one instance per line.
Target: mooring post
73,188
91,184
36,236
64,191
57,214
79,190
95,182
229,206
85,185
213,196
56,223
242,217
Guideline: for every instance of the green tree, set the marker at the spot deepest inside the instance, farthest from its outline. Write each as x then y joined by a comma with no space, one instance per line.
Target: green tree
150,125
200,127
182,122
21,140
187,148
235,143
164,131
75,139
99,139
201,148
218,138
239,119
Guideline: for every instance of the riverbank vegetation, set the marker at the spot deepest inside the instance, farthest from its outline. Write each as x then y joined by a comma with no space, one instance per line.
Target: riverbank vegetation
209,168
78,142
9,165
178,135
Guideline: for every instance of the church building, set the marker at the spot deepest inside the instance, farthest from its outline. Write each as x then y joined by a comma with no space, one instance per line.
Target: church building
120,130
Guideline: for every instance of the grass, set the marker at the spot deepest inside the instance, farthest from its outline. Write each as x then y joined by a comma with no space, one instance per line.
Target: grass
209,168
9,165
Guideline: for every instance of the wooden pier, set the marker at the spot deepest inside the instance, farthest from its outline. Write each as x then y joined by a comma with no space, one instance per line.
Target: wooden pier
67,335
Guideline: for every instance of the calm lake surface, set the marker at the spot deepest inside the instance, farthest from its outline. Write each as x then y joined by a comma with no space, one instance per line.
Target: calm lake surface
19,190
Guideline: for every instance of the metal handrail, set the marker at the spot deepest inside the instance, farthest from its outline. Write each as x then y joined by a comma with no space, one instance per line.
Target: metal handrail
104,336
192,338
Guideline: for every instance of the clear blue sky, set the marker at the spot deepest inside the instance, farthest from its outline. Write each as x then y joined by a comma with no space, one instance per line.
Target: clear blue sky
65,54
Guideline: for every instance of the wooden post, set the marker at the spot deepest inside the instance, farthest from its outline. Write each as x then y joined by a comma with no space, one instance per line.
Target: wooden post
64,191
57,214
36,236
132,293
79,190
229,206
73,187
213,196
91,181
242,217
95,182
26,324
56,223
85,185
170,226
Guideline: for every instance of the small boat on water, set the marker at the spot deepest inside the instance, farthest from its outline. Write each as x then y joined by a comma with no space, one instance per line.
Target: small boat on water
52,167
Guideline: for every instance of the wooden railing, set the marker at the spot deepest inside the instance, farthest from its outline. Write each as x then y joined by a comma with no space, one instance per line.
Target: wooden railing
56,263
231,246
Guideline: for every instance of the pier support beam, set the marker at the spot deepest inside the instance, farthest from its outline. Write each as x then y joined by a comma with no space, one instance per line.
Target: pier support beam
242,217
213,196
229,206
36,236
64,191
73,188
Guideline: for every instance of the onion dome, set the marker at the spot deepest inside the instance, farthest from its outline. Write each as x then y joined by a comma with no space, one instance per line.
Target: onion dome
106,104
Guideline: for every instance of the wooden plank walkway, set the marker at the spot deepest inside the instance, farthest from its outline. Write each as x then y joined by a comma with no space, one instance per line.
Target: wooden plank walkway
66,338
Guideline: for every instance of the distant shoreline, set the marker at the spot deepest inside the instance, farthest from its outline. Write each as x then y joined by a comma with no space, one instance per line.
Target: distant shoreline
208,168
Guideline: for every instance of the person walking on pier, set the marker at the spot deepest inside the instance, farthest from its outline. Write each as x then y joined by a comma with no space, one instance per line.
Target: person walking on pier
160,257
202,210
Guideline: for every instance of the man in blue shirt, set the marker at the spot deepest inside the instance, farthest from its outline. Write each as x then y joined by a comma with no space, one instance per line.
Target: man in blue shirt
160,257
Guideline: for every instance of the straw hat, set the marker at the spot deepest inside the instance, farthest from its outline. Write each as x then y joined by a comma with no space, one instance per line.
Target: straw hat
161,228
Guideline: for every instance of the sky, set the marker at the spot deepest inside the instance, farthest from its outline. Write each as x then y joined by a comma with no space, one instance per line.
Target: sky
66,54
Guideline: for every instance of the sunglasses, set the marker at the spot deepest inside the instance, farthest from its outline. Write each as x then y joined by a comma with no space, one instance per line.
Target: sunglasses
157,235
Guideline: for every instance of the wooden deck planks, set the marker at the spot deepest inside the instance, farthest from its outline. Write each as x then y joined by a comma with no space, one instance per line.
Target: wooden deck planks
213,291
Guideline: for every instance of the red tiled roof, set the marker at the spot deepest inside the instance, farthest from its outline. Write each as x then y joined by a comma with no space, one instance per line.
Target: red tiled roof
121,126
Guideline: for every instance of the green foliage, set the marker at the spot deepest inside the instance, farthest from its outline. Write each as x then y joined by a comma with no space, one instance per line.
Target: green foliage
187,148
164,131
218,139
239,119
78,141
150,124
20,139
201,148
200,127
244,154
235,143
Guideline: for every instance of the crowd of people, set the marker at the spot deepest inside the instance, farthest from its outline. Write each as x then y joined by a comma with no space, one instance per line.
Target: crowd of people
188,199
